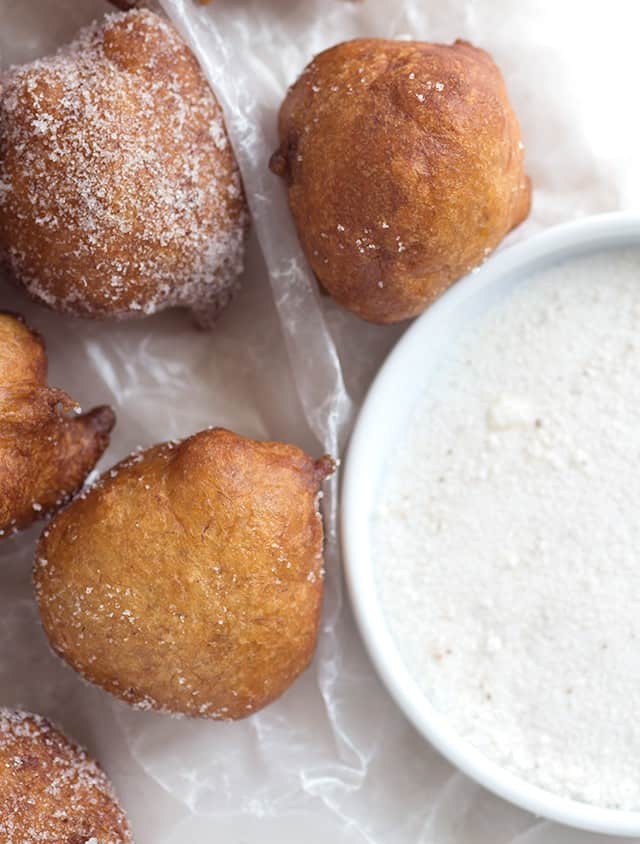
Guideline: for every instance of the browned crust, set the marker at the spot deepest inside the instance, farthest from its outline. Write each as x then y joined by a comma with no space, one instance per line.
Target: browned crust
46,448
128,4
190,578
119,191
404,167
50,790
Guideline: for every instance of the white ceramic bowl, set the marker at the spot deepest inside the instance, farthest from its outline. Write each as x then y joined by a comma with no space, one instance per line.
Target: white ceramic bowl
383,419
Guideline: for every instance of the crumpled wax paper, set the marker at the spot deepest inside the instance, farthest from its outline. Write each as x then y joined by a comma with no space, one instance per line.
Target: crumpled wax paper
334,759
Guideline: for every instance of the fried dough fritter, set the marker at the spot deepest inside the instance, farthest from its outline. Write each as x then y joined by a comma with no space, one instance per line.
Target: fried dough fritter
190,579
46,448
404,168
50,790
119,191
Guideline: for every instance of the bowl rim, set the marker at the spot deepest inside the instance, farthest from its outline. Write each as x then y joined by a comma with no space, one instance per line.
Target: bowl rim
581,236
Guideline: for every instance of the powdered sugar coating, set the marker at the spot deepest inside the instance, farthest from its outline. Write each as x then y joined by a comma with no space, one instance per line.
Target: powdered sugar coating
50,790
507,533
119,192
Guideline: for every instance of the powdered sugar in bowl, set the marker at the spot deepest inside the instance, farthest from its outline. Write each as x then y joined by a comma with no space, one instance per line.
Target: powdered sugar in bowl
488,524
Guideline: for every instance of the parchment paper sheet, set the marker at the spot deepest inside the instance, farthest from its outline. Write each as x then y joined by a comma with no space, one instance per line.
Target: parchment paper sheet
333,759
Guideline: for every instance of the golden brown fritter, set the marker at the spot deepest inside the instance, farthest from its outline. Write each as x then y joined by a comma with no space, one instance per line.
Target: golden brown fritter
189,579
404,168
46,448
50,790
119,191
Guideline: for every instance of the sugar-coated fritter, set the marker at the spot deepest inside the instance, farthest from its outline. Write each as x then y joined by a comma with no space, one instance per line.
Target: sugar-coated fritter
46,448
189,579
119,190
50,790
404,168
